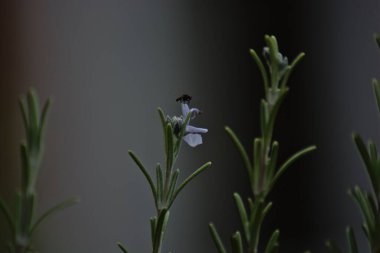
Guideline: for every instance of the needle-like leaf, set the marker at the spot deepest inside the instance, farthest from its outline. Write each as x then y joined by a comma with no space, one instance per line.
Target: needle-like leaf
272,245
237,244
241,149
160,228
44,115
170,148
261,67
122,247
353,247
272,161
63,205
24,113
377,39
366,159
153,225
159,184
243,215
145,172
187,180
33,106
215,236
376,88
292,67
8,216
172,185
161,114
289,162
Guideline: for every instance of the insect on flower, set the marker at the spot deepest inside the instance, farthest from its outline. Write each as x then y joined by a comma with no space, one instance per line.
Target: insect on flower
192,135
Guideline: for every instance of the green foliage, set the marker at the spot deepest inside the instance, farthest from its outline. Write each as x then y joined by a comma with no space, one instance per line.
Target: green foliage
22,222
165,189
368,202
263,171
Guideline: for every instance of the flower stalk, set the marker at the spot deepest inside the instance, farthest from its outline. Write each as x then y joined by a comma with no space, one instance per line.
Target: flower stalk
263,171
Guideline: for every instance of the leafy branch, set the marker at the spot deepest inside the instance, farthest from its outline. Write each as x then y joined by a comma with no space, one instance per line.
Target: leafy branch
368,202
22,222
263,170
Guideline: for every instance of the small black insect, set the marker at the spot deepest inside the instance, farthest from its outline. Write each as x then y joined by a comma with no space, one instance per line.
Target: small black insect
184,98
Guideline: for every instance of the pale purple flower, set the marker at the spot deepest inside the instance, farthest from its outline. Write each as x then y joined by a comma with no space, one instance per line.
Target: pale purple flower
193,135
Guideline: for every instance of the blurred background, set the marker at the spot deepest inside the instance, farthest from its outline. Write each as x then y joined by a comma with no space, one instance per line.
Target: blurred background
109,64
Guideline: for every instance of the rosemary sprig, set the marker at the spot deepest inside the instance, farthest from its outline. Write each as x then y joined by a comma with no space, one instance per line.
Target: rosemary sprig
368,202
23,223
165,189
262,170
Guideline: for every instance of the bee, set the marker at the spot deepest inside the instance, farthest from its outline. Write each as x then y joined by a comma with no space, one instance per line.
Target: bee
184,98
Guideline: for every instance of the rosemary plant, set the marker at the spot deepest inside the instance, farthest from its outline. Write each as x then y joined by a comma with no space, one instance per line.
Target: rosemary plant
165,191
22,222
263,171
368,202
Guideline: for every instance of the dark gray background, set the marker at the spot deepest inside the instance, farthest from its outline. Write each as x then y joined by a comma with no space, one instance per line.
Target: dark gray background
109,64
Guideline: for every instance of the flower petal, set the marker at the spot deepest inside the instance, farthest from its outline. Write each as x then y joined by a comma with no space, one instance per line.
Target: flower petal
192,129
193,139
194,112
185,109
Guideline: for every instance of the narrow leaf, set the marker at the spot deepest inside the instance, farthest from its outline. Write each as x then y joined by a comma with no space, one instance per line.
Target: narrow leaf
8,216
243,215
160,228
377,39
366,159
292,67
237,244
161,114
215,236
261,67
376,88
173,184
146,174
273,50
25,172
365,206
33,106
63,205
289,162
163,123
159,185
257,163
353,247
241,149
24,113
45,112
187,180
121,247
266,210
272,245
170,148
153,225
273,161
